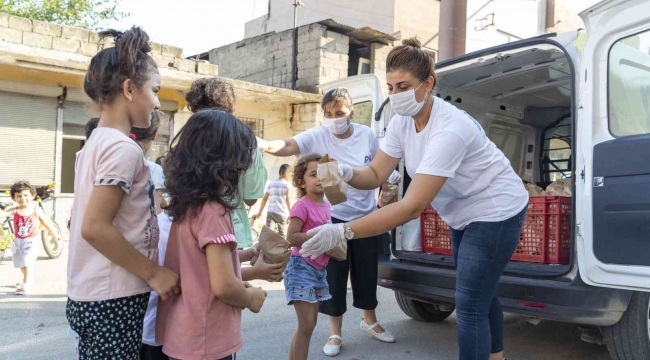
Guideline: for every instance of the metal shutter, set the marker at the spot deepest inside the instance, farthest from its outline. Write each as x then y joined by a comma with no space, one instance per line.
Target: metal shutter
28,136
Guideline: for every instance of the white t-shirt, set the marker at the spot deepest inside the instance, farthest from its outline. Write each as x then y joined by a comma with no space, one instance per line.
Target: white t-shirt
157,175
357,151
481,184
149,323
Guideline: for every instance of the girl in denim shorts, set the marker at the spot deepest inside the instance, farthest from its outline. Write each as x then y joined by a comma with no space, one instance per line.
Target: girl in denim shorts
305,279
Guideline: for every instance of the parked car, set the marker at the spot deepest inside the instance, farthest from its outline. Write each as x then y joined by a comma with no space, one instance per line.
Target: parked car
560,106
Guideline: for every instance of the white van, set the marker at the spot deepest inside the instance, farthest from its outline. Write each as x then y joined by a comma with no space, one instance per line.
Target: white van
560,106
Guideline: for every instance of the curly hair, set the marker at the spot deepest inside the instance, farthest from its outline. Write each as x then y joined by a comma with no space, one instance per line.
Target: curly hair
129,59
21,186
208,93
300,170
205,162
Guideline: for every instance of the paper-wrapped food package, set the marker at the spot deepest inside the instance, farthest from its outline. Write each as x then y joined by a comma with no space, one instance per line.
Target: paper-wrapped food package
389,194
276,249
560,187
534,190
333,185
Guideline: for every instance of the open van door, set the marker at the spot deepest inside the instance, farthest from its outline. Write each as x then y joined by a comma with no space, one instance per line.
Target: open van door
366,95
613,193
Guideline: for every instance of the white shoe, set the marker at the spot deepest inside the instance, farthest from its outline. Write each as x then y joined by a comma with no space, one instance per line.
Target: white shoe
333,350
383,337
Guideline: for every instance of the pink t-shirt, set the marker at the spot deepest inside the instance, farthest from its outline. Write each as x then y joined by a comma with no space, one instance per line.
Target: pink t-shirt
111,158
313,215
196,324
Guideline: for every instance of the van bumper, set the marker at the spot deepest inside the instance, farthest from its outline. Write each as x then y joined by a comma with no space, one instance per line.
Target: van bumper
563,299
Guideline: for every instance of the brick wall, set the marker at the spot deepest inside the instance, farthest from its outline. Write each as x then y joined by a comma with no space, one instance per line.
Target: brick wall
267,59
47,36
378,55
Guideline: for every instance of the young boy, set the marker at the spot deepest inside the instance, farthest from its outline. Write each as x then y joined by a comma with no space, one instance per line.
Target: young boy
28,218
278,196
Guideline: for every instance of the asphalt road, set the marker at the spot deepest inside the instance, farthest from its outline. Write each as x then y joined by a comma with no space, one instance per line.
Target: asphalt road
34,327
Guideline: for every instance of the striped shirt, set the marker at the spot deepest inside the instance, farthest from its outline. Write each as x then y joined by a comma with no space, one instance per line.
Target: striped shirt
278,190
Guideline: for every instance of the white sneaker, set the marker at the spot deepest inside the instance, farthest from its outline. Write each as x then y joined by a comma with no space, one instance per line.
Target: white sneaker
383,337
333,350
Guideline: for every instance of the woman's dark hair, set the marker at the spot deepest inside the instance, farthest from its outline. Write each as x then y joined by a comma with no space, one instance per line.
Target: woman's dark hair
21,186
91,125
205,162
300,170
410,57
144,134
112,66
208,93
337,95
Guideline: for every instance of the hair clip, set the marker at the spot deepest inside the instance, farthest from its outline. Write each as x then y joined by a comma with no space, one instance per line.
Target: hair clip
132,136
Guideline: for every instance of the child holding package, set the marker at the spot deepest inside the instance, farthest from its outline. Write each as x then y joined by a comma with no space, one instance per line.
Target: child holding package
28,218
305,279
202,173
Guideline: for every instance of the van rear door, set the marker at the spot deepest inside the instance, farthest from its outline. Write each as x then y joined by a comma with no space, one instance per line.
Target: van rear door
614,137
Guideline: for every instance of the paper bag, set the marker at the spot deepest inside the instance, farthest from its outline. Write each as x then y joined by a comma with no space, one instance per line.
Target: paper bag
276,249
534,190
559,188
388,194
333,185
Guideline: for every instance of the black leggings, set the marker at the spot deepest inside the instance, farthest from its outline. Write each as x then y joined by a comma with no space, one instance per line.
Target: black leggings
361,265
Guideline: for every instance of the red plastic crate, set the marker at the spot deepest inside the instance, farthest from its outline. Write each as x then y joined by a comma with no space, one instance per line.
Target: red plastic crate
545,237
435,233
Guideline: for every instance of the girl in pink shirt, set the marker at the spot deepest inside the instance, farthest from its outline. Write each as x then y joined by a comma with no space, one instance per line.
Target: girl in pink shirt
202,171
305,279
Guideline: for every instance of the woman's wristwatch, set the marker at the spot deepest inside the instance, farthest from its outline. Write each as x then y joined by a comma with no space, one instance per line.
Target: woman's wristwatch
348,233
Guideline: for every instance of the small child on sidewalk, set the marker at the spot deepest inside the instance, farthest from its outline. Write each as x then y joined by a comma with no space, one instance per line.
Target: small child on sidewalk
305,279
28,218
279,199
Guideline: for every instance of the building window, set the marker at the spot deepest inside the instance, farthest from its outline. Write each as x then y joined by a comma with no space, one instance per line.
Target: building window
432,52
629,86
364,66
257,125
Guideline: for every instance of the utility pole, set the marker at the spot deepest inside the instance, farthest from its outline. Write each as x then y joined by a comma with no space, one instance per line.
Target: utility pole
453,24
294,70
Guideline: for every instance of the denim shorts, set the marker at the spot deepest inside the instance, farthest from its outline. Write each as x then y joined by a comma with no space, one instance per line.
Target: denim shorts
303,282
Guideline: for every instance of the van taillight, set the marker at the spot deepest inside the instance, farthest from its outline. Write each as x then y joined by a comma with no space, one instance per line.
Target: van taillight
531,304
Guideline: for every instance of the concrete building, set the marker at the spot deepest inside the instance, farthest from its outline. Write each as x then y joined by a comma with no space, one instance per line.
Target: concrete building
337,38
326,51
400,18
43,108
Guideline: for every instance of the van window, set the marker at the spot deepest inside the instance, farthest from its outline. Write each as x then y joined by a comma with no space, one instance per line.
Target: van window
629,86
363,113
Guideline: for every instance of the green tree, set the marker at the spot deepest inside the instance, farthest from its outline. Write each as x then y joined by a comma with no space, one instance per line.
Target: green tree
87,14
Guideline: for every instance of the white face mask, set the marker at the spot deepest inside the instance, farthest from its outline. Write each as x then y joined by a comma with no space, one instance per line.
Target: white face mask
405,104
337,126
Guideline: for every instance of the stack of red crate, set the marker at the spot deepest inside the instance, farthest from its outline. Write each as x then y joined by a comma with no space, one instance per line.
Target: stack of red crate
545,237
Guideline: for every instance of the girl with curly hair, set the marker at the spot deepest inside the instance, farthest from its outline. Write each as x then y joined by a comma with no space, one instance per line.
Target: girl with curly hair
202,171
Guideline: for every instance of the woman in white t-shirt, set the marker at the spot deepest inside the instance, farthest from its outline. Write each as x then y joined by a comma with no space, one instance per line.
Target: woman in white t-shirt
463,175
353,145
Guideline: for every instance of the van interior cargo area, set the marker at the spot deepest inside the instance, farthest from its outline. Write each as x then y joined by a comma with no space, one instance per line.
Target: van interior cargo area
523,99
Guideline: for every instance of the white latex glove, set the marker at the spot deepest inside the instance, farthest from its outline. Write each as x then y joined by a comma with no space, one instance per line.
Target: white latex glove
394,178
345,172
325,238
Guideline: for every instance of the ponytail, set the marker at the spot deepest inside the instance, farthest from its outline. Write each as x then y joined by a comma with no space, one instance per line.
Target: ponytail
129,59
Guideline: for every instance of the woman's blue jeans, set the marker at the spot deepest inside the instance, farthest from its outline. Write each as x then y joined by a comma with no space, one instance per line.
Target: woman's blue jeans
481,252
